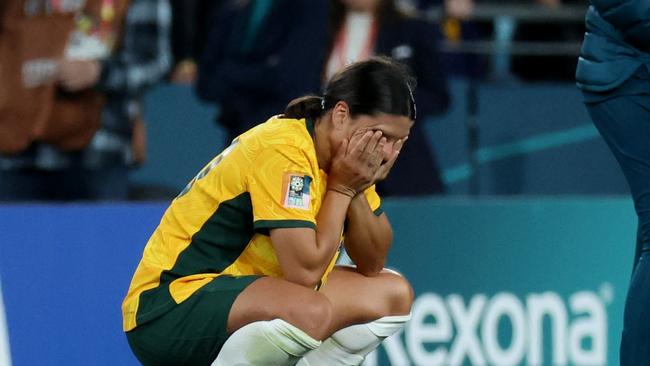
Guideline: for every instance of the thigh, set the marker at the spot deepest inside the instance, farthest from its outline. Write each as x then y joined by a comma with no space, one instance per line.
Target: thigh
194,331
359,299
274,298
635,342
624,123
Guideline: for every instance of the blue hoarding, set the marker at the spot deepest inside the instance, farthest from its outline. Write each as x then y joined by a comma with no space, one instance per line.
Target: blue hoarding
507,282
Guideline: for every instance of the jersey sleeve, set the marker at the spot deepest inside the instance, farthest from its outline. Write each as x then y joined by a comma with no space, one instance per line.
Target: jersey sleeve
373,200
280,185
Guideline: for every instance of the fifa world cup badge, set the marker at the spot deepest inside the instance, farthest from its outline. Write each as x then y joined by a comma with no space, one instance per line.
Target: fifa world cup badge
296,191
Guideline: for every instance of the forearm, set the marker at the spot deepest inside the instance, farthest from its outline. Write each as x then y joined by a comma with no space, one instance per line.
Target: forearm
368,237
329,221
307,265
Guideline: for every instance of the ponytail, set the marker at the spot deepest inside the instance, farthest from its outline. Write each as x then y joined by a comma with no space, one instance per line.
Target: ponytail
309,106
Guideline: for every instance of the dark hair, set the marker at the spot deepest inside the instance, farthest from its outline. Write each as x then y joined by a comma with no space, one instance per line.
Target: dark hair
377,85
309,106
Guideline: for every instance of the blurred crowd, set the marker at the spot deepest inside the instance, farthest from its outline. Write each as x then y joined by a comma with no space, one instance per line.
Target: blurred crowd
71,99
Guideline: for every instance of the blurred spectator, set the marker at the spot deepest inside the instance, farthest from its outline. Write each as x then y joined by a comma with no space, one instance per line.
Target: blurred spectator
362,28
556,67
458,25
70,97
253,55
614,76
191,23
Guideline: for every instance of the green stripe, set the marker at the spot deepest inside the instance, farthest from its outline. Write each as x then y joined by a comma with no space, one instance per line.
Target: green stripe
219,242
529,145
263,226
309,123
378,211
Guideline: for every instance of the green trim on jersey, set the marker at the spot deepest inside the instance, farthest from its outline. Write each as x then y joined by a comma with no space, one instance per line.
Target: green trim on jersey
263,226
310,125
231,226
378,211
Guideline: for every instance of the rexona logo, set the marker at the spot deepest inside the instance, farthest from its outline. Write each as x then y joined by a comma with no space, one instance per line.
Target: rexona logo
453,331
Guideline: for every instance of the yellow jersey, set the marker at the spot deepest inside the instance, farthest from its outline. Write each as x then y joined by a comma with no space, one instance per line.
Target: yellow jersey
219,224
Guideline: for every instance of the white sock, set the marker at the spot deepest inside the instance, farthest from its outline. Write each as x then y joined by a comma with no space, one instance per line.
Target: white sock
265,343
350,346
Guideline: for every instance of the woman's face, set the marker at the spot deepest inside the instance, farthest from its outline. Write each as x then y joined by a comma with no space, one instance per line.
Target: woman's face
361,5
392,127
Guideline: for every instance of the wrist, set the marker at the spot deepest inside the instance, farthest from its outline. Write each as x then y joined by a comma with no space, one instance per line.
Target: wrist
342,190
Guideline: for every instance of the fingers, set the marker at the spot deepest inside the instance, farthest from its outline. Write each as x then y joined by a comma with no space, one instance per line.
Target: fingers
359,142
378,153
372,143
343,148
385,168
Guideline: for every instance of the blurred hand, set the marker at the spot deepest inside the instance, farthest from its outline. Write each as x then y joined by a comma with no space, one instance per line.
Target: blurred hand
75,75
459,9
355,165
550,3
139,141
184,72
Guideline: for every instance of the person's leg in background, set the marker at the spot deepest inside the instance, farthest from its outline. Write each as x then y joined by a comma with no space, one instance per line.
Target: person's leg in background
24,185
624,123
109,183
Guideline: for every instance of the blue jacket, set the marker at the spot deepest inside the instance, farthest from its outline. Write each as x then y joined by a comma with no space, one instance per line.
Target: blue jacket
616,44
284,60
414,42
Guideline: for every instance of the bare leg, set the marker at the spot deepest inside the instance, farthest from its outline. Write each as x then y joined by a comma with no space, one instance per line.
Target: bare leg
273,298
366,311
358,299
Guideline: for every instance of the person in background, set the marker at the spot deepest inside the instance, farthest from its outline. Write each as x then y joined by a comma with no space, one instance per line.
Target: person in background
113,54
614,75
241,269
191,24
362,28
253,55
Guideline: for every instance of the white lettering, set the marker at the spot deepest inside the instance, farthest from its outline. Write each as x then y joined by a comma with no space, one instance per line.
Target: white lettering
452,332
504,305
38,72
466,321
551,305
418,332
593,326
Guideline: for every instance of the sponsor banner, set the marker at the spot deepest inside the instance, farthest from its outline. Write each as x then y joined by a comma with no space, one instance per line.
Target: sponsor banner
497,282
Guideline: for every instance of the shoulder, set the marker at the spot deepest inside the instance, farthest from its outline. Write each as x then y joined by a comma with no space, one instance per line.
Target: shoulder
285,136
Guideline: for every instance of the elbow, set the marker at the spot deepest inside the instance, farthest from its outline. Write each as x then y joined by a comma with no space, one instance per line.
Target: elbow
304,277
370,270
371,266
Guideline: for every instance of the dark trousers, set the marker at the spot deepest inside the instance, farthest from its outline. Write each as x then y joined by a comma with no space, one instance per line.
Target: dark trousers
71,184
624,123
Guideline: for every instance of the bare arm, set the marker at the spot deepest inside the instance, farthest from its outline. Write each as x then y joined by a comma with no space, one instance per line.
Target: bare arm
368,237
303,253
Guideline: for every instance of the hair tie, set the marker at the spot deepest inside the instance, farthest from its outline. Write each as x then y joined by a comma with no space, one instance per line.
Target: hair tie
322,103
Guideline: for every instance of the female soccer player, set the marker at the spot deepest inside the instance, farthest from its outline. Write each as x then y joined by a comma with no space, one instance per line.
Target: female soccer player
241,269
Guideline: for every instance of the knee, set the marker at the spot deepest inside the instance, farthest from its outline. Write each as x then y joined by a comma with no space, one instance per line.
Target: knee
400,295
313,315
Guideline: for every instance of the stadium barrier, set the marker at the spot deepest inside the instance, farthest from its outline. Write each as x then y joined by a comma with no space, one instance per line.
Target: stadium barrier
498,281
